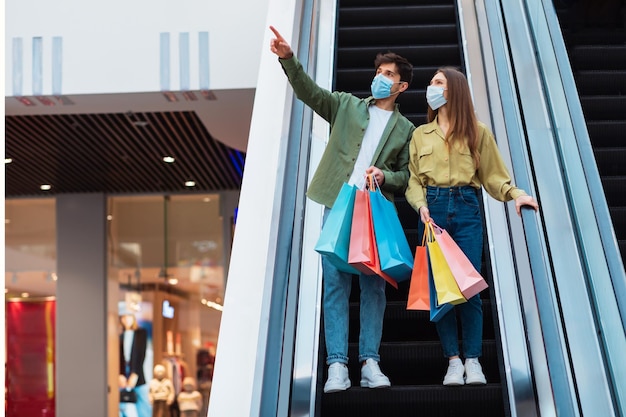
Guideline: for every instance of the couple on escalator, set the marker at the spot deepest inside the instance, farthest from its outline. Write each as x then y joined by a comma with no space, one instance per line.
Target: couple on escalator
439,166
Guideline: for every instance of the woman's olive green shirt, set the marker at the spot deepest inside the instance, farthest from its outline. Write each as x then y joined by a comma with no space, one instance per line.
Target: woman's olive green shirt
433,162
348,116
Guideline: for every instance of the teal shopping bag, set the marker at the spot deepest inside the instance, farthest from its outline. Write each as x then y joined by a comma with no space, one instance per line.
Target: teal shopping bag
396,257
334,240
436,311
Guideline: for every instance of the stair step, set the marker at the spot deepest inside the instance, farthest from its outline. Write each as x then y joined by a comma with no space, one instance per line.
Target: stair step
398,15
414,34
411,401
419,55
419,363
610,161
598,57
601,82
603,133
604,107
411,325
614,190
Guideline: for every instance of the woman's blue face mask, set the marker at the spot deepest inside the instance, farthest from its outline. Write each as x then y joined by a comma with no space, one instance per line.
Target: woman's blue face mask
434,97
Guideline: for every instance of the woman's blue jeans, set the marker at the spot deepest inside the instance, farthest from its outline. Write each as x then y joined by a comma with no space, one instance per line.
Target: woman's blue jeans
456,210
337,286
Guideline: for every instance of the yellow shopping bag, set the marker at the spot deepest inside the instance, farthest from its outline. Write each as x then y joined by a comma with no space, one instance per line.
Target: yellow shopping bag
445,285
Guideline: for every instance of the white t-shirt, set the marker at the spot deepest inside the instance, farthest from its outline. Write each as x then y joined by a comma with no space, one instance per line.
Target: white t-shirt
371,139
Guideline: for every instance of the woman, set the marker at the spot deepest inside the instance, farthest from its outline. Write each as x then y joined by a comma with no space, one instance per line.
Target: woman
133,345
451,157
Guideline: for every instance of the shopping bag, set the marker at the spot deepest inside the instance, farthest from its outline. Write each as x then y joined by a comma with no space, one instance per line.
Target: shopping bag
419,297
396,258
334,239
447,289
363,252
468,279
436,311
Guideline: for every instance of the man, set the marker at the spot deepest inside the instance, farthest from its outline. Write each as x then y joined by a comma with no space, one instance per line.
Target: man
367,137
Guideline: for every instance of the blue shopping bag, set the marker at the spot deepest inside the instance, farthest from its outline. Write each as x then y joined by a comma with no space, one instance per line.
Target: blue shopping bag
436,311
396,257
334,240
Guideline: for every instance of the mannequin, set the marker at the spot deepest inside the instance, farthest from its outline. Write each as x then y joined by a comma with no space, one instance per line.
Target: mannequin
133,345
189,400
161,393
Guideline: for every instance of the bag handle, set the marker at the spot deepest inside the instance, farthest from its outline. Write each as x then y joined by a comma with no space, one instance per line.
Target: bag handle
428,235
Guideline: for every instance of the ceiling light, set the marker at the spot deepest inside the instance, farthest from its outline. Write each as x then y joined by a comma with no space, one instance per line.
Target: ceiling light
109,217
45,187
190,183
206,199
172,281
141,123
216,306
168,159
8,160
25,295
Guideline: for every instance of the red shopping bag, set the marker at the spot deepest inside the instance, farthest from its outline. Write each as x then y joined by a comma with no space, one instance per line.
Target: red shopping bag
419,298
468,279
419,291
363,253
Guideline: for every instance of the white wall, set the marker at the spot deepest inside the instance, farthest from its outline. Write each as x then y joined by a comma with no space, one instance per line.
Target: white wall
114,46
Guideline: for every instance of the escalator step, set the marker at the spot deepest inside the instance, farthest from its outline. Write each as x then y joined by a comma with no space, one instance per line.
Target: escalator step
420,363
399,15
618,214
372,36
412,401
610,161
421,55
601,82
615,190
359,78
607,133
604,107
595,57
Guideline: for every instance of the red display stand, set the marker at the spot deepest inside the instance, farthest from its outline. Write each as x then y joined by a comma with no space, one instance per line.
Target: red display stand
30,367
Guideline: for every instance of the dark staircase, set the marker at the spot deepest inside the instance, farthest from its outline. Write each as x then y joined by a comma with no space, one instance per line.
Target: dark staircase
595,37
426,32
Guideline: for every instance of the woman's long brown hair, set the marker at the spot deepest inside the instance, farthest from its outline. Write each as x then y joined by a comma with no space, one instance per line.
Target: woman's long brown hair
463,122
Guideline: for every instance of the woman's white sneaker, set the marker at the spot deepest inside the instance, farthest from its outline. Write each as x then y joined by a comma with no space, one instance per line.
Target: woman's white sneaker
474,372
454,374
372,376
338,379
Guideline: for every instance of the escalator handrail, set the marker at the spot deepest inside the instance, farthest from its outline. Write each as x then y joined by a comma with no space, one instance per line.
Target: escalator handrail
555,349
603,217
598,245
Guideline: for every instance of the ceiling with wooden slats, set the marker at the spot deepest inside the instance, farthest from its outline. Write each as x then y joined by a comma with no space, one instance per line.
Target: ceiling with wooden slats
116,153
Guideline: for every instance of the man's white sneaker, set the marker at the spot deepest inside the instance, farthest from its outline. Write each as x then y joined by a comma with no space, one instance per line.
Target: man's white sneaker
454,375
474,372
338,379
372,377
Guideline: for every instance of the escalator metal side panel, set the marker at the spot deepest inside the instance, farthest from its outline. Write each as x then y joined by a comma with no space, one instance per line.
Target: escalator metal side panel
598,244
304,388
590,390
479,66
246,320
545,336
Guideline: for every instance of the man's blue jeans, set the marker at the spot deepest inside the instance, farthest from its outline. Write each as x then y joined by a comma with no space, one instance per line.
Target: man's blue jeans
337,286
456,209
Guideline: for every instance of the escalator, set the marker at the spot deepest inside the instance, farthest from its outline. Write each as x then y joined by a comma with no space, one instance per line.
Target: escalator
553,337
426,32
596,42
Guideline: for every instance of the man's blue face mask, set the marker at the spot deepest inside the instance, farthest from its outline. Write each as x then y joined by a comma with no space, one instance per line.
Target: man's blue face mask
381,87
